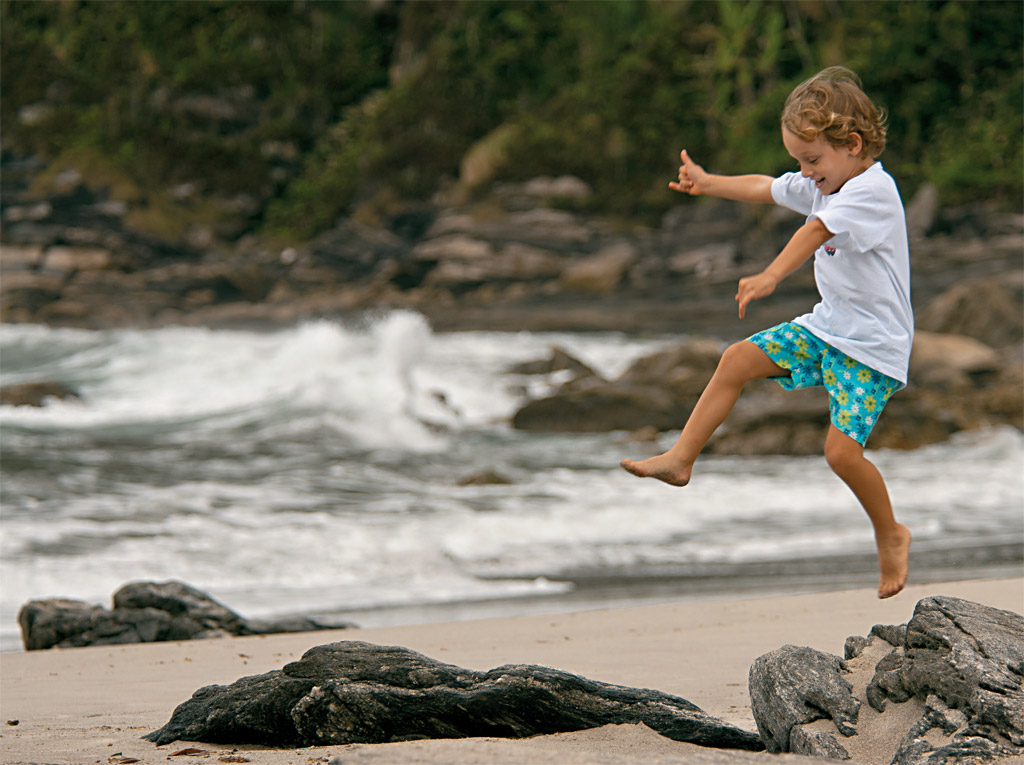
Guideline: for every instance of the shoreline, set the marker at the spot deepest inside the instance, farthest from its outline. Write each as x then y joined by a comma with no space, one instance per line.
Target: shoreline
603,589
86,704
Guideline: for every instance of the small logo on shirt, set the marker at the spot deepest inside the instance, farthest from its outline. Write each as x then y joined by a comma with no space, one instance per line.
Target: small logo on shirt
830,251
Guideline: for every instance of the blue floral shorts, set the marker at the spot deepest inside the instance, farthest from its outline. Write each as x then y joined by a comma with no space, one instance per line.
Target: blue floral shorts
856,392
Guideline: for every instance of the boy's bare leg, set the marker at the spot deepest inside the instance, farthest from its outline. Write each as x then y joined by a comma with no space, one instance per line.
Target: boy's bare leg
740,363
846,458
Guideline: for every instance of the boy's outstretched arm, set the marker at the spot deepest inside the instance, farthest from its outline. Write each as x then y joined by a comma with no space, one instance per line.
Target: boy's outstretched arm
808,238
741,188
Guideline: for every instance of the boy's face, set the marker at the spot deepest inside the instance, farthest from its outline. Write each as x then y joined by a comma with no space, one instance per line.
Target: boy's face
830,166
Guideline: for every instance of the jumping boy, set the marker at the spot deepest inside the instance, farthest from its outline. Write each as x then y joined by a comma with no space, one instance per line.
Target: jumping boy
856,341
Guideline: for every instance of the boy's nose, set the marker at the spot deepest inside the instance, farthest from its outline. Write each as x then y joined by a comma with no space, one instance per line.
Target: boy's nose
805,172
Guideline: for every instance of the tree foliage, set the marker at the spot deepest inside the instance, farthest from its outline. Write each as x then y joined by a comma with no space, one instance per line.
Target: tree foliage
383,101
129,79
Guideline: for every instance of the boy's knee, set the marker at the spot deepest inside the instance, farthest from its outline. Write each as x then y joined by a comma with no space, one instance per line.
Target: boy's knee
731,355
745,361
736,359
842,453
730,365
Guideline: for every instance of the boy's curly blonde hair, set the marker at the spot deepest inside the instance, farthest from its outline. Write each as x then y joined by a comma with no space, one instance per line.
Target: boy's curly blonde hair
832,105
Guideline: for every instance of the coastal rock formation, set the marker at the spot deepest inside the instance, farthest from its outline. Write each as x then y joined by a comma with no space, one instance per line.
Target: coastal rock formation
985,308
145,612
657,391
559,360
792,686
967,662
75,254
355,692
954,674
956,383
35,393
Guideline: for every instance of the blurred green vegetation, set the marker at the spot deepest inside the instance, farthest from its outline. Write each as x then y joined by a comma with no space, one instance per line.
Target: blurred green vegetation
318,108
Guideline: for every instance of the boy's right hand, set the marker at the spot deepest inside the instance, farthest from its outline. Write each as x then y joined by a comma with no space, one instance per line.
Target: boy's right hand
754,288
692,178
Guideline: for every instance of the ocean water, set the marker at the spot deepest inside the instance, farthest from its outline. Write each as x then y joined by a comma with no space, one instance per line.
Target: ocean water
317,469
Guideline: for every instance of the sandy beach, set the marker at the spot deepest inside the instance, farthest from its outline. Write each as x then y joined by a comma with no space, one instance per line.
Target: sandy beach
92,705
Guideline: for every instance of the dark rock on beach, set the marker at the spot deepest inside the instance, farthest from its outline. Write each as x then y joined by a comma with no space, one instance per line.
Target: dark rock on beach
969,656
796,685
960,666
957,666
354,692
146,612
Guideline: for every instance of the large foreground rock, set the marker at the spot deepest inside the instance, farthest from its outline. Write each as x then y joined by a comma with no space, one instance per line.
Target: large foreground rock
145,612
355,692
957,665
962,656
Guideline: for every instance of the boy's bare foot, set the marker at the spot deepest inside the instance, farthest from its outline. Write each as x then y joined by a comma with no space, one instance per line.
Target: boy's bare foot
892,560
663,467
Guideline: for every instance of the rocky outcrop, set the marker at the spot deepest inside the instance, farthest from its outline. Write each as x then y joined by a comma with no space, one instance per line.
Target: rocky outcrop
560,360
658,391
354,692
145,612
970,657
958,665
602,407
986,308
793,686
35,393
956,383
78,251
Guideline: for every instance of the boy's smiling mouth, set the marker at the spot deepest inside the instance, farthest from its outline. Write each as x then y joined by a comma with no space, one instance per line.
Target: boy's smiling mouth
828,166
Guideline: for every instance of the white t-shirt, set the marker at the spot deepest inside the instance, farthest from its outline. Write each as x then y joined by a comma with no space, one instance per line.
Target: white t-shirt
863,271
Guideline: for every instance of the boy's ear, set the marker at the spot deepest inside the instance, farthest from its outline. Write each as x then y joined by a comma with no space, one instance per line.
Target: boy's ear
855,143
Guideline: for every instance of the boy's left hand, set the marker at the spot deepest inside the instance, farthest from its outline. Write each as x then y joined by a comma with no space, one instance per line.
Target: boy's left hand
753,288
